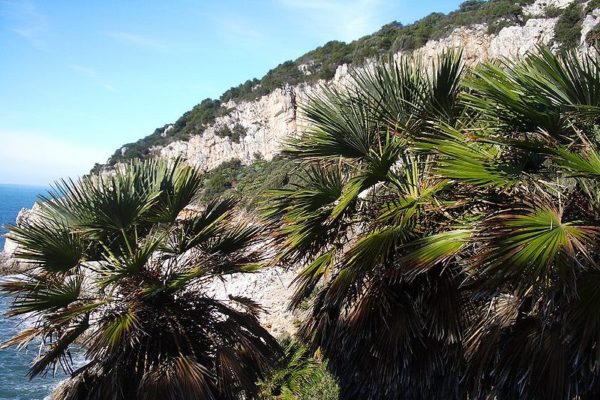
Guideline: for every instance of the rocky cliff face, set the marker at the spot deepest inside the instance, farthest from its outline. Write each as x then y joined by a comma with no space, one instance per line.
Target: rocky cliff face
267,121
272,119
8,261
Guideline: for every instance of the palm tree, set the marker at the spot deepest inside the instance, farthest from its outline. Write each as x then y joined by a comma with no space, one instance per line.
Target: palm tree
448,224
119,265
536,263
389,332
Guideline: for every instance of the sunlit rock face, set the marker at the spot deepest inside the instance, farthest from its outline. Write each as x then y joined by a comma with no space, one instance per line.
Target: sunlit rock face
591,20
539,7
8,261
274,118
267,122
10,247
269,288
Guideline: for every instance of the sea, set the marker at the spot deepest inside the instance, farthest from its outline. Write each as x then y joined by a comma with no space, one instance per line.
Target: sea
14,383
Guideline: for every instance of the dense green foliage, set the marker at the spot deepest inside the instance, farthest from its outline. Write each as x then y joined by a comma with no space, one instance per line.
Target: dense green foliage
246,183
120,264
592,5
299,376
322,63
567,32
552,11
448,228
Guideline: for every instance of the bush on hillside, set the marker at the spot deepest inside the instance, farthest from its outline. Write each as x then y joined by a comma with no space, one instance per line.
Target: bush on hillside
247,183
567,32
552,11
300,375
592,5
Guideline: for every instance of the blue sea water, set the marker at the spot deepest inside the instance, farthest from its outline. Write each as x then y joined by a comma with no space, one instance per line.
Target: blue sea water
14,384
12,199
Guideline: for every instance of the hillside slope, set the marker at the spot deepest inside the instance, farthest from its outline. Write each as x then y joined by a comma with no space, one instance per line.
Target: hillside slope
251,121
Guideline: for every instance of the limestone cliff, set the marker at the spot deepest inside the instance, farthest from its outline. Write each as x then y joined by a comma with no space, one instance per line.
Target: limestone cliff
273,118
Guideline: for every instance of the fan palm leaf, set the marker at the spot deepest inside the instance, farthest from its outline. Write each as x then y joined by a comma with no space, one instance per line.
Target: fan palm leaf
119,264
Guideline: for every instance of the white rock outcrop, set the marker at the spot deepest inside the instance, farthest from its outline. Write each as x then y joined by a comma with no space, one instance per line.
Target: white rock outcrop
24,215
516,41
539,7
268,122
8,262
591,20
269,288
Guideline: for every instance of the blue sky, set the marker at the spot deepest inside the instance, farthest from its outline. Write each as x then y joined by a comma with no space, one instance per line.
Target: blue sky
80,78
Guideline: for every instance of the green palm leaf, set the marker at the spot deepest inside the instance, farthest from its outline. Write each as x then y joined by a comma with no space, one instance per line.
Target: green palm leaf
533,243
42,295
48,244
427,252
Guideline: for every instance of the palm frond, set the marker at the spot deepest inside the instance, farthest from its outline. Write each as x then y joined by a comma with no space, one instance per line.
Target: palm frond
179,186
57,350
427,252
338,125
42,294
309,277
534,243
47,244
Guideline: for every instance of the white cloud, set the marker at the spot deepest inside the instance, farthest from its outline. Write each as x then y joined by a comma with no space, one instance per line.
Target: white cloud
26,20
339,19
91,74
137,40
28,158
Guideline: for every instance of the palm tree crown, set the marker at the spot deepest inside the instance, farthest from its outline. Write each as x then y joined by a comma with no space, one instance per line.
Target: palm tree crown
448,224
119,265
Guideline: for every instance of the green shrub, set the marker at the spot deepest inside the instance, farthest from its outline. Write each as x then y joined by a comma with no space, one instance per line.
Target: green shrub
248,183
567,32
220,180
300,375
592,5
495,27
552,11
